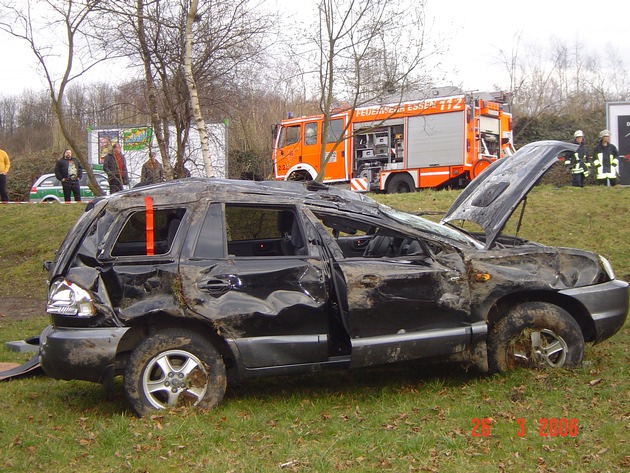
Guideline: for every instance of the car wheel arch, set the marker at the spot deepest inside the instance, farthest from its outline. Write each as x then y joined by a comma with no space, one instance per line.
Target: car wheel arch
50,200
536,335
151,324
503,305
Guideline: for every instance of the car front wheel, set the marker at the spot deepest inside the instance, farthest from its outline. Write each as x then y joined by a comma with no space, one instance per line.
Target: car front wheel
173,369
535,335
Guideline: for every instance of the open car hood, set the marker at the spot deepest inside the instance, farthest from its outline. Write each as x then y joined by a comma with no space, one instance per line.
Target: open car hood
491,198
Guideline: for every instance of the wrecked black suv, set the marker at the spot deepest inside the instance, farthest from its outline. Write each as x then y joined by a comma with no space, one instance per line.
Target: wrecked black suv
184,286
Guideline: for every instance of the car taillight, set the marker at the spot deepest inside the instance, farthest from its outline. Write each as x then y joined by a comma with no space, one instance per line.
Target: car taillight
33,190
67,298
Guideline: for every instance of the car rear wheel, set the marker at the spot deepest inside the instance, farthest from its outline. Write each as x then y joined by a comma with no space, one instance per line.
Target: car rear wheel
535,335
173,369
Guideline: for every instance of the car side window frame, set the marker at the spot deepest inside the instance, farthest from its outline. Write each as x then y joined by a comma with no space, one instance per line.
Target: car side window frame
165,226
214,238
402,239
49,182
270,232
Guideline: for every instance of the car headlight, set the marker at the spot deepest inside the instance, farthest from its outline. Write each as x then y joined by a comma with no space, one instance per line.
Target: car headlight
66,298
607,267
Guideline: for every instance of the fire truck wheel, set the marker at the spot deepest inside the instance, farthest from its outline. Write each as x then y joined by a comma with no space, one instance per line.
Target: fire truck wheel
300,176
400,182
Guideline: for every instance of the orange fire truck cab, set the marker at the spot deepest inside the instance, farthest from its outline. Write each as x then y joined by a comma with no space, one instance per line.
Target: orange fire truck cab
444,141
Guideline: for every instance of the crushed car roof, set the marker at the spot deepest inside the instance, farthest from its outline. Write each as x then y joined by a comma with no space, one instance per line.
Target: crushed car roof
191,189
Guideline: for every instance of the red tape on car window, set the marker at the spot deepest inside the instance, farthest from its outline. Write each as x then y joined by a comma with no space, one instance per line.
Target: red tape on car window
148,202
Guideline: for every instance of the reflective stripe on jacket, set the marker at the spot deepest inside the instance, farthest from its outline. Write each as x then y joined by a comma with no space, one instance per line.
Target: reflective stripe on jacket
578,161
606,161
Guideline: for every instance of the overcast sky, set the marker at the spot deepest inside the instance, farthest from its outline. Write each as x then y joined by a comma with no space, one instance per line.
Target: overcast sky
480,28
474,31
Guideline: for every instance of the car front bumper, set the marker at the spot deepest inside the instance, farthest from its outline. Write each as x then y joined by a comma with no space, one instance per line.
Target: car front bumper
607,304
79,353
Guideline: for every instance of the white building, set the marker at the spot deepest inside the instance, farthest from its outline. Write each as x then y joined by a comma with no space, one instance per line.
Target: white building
137,140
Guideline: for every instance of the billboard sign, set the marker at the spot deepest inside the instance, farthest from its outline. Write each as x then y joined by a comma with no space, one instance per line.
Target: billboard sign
618,120
136,142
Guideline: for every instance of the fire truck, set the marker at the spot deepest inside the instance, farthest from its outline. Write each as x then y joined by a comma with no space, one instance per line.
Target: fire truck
437,142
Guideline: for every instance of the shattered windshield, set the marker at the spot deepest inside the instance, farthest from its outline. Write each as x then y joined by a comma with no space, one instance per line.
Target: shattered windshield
428,226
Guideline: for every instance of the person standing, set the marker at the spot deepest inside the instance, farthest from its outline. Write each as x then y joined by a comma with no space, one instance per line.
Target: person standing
152,171
578,161
69,172
606,160
115,166
5,164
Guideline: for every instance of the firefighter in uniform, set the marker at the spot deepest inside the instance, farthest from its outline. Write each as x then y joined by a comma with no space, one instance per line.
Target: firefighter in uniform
606,160
578,161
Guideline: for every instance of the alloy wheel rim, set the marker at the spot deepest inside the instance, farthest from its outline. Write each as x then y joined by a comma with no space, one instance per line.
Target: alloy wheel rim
537,348
174,378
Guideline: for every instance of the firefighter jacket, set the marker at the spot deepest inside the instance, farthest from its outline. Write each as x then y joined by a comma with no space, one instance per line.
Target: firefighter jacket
606,161
578,161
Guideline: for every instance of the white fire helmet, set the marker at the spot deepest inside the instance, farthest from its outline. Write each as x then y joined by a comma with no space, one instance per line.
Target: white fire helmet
578,133
603,133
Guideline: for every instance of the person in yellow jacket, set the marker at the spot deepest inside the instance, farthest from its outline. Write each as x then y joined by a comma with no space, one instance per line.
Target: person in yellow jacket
5,164
606,160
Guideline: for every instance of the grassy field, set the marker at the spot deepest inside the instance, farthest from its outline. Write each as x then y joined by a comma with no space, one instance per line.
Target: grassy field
406,418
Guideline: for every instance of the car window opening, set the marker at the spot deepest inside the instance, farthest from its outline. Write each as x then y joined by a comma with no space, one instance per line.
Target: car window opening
135,238
255,231
358,239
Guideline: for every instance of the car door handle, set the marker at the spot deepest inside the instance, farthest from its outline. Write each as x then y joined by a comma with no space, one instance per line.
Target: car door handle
215,286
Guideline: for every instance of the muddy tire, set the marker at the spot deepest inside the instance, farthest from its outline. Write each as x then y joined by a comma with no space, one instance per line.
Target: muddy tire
535,335
173,369
399,183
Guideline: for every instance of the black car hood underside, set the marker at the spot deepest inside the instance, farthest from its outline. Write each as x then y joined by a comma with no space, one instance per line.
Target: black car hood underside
491,198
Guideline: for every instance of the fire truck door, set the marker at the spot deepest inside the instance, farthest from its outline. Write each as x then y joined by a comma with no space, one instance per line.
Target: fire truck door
336,167
289,149
311,144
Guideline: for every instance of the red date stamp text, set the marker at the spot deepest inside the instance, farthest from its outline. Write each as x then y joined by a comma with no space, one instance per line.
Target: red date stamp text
547,427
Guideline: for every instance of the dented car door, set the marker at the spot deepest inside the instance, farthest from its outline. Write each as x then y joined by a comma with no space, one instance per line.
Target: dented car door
409,301
405,308
271,307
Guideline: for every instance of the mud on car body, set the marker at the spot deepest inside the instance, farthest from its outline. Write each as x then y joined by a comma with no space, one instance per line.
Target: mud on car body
185,286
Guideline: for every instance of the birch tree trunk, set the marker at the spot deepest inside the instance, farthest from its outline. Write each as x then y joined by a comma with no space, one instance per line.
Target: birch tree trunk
192,90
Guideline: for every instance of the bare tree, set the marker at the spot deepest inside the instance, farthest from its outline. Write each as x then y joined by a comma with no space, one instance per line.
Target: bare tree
228,35
158,121
58,33
367,51
556,79
192,89
510,61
